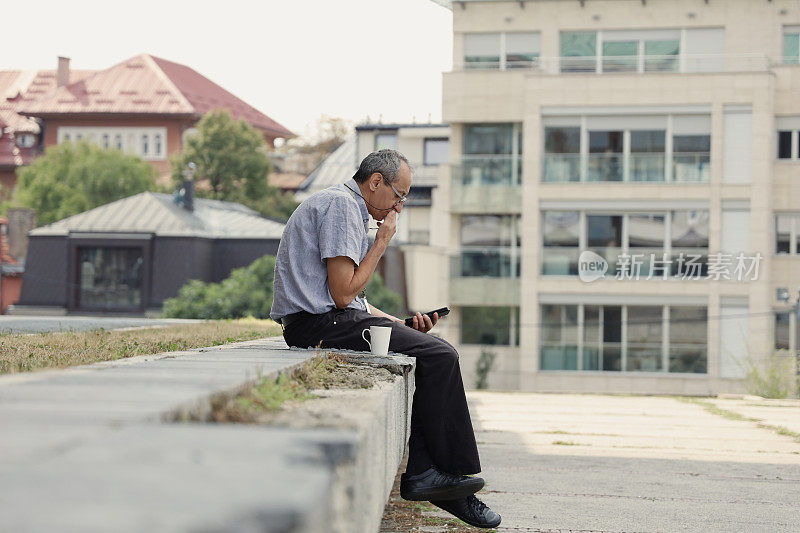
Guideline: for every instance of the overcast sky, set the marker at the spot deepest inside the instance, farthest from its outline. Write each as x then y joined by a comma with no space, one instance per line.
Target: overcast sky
293,59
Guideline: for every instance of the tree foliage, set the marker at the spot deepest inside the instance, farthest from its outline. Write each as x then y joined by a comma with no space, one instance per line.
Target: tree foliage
246,292
74,177
231,164
383,297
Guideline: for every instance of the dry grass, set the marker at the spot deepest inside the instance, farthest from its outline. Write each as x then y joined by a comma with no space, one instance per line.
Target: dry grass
24,353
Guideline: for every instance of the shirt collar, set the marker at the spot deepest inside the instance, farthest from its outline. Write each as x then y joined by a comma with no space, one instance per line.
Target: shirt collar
355,192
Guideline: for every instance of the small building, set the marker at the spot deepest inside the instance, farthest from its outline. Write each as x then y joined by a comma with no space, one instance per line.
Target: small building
130,255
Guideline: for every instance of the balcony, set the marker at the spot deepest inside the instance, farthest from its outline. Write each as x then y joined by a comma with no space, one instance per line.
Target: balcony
487,184
485,276
686,167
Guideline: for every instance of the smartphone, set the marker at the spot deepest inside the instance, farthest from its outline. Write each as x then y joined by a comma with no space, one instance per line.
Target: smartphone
444,311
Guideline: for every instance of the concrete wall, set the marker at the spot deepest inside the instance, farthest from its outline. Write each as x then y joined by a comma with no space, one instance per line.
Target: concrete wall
44,282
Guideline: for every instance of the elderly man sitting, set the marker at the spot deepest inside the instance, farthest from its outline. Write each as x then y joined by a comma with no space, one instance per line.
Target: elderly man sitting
324,263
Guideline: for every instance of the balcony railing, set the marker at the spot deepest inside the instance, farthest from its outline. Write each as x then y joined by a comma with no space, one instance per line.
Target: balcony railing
638,64
492,262
687,167
488,170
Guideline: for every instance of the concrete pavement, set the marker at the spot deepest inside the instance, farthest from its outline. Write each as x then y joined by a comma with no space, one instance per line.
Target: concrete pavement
560,463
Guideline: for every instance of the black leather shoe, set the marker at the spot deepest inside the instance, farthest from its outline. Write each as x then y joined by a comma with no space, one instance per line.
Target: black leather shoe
433,484
471,510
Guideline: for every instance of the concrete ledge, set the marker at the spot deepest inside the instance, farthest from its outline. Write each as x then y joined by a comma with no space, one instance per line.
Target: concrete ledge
90,449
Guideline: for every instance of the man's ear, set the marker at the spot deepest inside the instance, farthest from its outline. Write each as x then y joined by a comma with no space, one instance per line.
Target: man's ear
374,181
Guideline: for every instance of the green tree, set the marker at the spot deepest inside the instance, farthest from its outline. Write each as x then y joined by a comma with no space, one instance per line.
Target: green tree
232,164
71,178
383,297
246,292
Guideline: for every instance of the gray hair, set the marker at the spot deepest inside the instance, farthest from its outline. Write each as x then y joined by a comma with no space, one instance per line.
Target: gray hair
387,162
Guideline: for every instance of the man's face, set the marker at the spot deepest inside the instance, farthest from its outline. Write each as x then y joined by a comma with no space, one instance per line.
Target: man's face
385,197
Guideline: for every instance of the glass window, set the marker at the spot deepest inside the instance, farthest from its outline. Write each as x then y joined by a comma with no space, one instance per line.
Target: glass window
691,143
157,144
110,278
488,325
436,151
488,139
691,158
489,230
106,140
592,337
612,338
784,145
647,155
559,337
118,141
791,47
605,156
620,56
386,140
688,339
522,49
482,50
560,241
783,325
689,231
562,160
578,51
66,137
604,237
645,333
661,56
783,234
646,236
145,144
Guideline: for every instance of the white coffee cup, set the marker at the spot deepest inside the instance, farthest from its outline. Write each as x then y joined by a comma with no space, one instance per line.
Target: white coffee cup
380,339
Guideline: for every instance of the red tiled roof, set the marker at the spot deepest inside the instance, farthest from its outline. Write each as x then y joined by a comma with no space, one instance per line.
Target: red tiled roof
148,85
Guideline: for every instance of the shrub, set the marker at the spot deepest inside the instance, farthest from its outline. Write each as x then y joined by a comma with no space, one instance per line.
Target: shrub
482,369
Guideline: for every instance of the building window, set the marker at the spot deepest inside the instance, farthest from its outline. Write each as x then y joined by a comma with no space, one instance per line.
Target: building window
789,144
436,151
118,141
25,140
560,242
578,149
157,145
106,141
145,144
791,44
490,325
640,236
623,338
491,155
501,50
489,247
67,138
110,278
386,140
785,321
787,233
562,161
578,51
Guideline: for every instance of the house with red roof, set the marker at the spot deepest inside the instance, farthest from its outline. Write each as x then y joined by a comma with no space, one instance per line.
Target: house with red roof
144,105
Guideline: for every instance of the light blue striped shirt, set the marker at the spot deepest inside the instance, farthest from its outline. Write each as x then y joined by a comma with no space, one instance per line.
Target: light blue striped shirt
330,223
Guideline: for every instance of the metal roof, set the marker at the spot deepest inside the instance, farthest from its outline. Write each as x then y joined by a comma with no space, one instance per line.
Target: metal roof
335,169
157,213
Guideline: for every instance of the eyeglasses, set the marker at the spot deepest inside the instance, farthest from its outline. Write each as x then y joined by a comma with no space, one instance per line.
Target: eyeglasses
402,198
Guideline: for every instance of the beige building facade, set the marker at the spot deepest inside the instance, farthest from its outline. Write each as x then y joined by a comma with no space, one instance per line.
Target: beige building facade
664,137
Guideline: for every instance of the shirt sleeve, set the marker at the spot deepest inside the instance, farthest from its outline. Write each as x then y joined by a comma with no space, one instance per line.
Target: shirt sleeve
341,230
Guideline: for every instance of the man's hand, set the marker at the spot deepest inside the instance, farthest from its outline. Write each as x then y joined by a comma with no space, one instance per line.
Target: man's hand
387,227
424,323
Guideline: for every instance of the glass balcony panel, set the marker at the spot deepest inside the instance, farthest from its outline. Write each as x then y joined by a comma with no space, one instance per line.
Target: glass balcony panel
557,261
620,56
605,167
691,167
489,170
646,167
644,358
561,168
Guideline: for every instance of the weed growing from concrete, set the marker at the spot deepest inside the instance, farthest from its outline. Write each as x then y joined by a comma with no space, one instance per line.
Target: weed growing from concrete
732,415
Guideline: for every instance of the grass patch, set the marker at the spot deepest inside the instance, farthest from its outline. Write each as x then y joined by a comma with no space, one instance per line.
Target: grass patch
731,415
25,353
269,394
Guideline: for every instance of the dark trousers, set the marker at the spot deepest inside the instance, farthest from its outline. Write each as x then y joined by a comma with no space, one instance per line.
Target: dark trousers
441,429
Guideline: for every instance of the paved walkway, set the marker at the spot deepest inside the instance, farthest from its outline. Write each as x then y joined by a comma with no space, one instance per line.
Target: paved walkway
41,324
561,463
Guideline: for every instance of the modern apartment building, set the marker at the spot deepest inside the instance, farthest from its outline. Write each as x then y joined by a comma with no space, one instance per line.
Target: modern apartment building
662,136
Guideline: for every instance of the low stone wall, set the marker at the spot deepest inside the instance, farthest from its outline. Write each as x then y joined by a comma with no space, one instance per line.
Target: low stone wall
97,448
